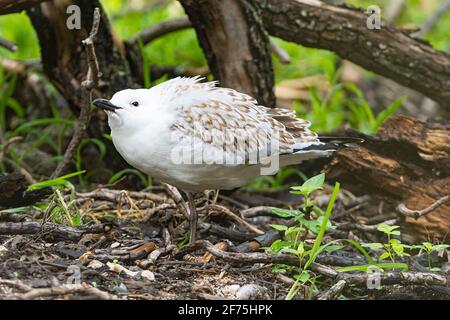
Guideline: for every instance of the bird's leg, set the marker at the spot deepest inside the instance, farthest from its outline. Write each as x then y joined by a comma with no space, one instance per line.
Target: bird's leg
192,218
216,196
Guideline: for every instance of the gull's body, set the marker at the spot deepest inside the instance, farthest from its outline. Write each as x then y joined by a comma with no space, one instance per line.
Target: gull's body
148,126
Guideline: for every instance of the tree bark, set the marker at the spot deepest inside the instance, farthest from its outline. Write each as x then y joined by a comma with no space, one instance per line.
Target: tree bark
406,162
388,51
65,62
235,45
13,6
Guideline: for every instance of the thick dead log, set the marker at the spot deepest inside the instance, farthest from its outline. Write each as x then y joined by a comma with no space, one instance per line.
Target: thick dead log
13,191
12,6
407,162
235,45
388,51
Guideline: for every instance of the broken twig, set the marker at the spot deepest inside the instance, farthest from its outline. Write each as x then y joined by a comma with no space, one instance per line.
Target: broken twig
419,213
87,86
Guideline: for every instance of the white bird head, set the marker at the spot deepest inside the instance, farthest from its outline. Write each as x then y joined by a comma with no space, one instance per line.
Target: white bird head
128,108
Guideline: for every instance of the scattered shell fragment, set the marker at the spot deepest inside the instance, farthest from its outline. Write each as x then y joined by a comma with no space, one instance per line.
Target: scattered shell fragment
95,264
119,268
251,292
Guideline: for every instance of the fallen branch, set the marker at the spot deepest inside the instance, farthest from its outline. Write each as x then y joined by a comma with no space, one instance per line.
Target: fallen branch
401,208
83,289
257,211
87,86
51,231
16,284
7,144
254,257
112,195
402,278
234,217
334,291
175,195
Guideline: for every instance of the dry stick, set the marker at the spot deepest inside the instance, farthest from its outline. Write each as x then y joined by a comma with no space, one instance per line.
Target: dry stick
7,144
257,211
362,227
178,199
334,291
87,86
359,279
83,289
279,52
113,195
151,33
51,230
233,217
158,30
8,45
434,18
393,10
16,284
418,213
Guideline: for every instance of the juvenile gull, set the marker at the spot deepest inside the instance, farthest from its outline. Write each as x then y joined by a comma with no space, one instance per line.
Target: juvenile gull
197,136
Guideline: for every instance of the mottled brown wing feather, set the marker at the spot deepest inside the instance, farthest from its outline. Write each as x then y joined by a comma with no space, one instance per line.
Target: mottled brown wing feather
226,118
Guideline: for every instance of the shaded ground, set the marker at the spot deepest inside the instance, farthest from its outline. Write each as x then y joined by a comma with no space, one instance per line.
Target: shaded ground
133,252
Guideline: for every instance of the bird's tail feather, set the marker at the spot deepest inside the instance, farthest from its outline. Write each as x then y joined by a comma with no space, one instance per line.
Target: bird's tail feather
333,143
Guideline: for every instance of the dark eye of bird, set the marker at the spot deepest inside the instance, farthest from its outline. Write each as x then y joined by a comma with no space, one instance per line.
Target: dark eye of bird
135,104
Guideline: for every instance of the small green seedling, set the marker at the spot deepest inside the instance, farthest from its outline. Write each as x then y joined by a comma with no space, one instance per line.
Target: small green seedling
428,247
393,248
294,236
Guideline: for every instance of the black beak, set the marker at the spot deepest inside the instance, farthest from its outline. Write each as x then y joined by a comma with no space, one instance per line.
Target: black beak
105,105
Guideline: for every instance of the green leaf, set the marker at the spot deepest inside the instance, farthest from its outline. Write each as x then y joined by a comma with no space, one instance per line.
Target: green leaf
301,249
303,277
388,112
57,181
374,245
42,122
123,172
289,250
278,245
286,213
387,229
278,227
333,248
384,256
310,185
440,247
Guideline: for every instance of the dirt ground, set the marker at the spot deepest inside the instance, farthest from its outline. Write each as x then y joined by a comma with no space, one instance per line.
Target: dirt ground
139,252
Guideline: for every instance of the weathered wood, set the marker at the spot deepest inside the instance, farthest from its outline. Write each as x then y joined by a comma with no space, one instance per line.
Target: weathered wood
51,231
13,191
65,62
12,6
408,162
235,45
388,51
